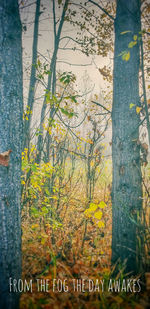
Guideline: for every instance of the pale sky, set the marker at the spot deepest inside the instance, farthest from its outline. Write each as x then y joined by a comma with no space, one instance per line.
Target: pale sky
86,68
83,63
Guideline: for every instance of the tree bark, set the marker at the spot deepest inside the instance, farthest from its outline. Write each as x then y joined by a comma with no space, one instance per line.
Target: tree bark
11,128
126,188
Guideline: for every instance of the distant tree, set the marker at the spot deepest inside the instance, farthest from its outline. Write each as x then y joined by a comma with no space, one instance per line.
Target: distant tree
126,185
11,112
51,83
31,94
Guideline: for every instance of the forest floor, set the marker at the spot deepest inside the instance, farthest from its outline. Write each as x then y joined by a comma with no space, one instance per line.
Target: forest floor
67,259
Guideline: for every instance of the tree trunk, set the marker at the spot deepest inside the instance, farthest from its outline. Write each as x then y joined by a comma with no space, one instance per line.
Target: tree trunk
51,79
30,103
11,111
126,188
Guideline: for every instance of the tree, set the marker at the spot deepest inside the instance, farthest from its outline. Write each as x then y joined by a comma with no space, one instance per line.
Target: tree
126,186
31,94
51,83
11,111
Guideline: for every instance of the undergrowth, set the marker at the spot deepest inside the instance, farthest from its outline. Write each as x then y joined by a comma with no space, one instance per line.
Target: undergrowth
67,236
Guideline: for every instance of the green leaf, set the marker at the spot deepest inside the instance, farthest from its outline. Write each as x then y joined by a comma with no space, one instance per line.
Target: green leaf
73,98
34,210
44,210
47,191
33,168
67,77
65,112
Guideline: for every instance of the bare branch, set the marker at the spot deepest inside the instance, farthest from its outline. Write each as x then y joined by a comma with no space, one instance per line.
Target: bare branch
101,8
102,106
75,64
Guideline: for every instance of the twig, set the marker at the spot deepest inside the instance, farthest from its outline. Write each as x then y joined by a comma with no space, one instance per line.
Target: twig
102,106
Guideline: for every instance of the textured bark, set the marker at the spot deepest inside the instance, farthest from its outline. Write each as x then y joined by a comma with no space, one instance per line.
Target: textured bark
11,111
126,189
30,103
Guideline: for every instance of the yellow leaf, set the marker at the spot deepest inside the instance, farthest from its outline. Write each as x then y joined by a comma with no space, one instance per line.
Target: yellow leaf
34,226
89,141
43,240
124,32
138,109
135,37
126,56
98,215
88,214
93,207
54,197
131,105
132,43
101,225
38,62
50,131
102,204
92,163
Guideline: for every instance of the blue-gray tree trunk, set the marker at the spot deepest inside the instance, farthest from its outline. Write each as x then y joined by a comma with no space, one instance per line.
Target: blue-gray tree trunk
11,111
126,188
